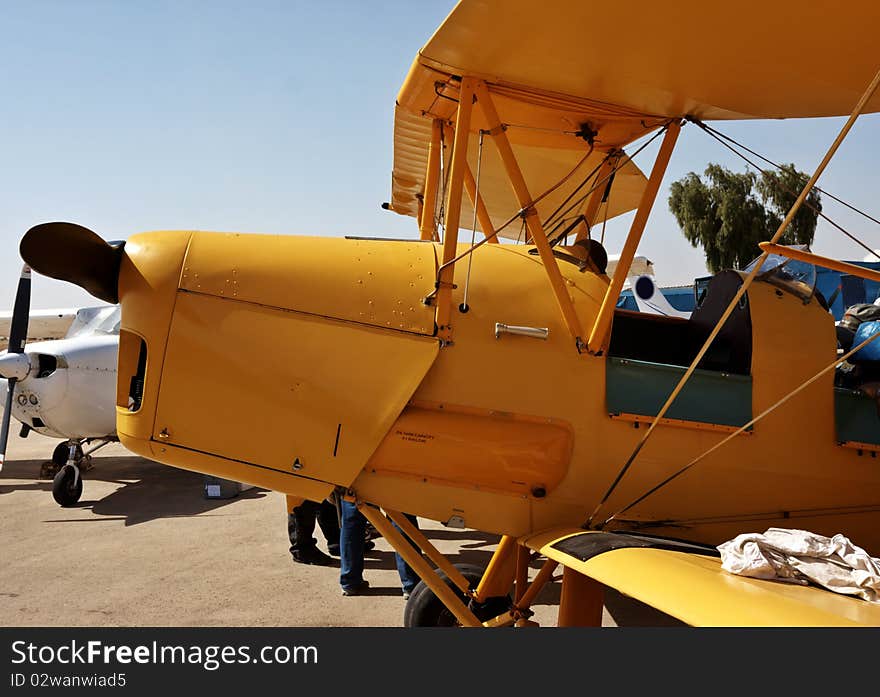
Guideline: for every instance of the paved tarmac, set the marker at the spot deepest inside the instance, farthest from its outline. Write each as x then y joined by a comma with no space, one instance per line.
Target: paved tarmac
144,547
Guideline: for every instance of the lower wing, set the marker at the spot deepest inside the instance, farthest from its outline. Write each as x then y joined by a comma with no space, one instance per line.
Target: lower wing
686,581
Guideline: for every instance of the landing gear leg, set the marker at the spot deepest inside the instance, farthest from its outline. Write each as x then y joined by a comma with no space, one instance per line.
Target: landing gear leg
60,456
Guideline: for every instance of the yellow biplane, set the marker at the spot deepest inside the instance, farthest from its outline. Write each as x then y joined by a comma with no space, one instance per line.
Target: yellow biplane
497,386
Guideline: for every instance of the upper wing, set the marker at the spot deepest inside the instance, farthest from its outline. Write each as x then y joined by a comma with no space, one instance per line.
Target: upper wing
556,67
616,63
687,582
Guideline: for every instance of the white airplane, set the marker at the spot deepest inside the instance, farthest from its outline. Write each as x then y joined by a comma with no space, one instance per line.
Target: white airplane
644,286
649,298
62,388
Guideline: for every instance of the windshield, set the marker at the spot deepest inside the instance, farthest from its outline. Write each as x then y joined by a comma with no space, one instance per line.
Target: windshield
796,277
109,324
96,320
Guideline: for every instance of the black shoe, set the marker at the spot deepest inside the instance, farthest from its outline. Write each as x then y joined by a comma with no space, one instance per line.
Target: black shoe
312,556
368,545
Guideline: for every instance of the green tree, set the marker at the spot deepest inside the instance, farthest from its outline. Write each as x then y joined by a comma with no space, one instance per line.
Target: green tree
728,214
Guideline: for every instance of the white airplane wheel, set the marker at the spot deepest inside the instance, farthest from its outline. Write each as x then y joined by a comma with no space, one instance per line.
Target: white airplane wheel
67,486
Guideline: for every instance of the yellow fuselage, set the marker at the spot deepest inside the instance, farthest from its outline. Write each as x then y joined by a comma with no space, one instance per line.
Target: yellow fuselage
304,363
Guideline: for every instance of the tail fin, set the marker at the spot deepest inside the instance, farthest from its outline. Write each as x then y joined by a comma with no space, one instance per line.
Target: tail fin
650,299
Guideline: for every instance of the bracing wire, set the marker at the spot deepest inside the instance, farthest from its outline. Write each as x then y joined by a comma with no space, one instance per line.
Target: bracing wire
551,219
626,159
605,217
718,136
716,132
521,214
606,199
444,180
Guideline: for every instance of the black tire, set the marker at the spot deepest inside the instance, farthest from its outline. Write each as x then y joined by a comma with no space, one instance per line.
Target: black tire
64,490
62,452
424,609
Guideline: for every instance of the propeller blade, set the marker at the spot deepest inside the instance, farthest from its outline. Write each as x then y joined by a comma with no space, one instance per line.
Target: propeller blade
20,312
70,252
4,428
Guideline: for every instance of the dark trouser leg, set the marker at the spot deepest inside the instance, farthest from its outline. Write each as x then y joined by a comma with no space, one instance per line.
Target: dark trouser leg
329,522
301,526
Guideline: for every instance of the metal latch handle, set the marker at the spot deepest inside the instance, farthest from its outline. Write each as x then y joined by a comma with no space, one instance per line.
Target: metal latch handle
534,332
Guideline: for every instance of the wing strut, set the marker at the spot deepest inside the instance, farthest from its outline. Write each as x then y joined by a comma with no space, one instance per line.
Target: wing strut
453,208
419,565
598,197
810,258
428,220
599,335
539,238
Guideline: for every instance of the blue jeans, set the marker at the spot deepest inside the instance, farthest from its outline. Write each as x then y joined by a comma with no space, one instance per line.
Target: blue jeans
351,551
351,546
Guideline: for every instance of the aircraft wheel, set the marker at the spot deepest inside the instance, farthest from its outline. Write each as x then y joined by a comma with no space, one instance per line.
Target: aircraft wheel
64,490
59,455
424,609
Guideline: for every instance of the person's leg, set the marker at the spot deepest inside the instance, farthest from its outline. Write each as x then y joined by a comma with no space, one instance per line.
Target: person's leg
293,502
328,519
301,527
300,530
409,579
351,549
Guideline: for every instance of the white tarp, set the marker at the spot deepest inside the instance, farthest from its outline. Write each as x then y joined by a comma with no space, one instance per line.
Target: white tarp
799,556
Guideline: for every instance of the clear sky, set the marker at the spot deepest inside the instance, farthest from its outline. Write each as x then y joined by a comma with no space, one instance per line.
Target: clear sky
276,116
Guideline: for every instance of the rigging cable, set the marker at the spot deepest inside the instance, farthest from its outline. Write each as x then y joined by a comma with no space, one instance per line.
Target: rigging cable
714,131
522,212
550,221
625,160
444,179
607,201
622,161
715,134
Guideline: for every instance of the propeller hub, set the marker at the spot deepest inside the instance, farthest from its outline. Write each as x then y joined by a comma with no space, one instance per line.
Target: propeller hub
14,366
